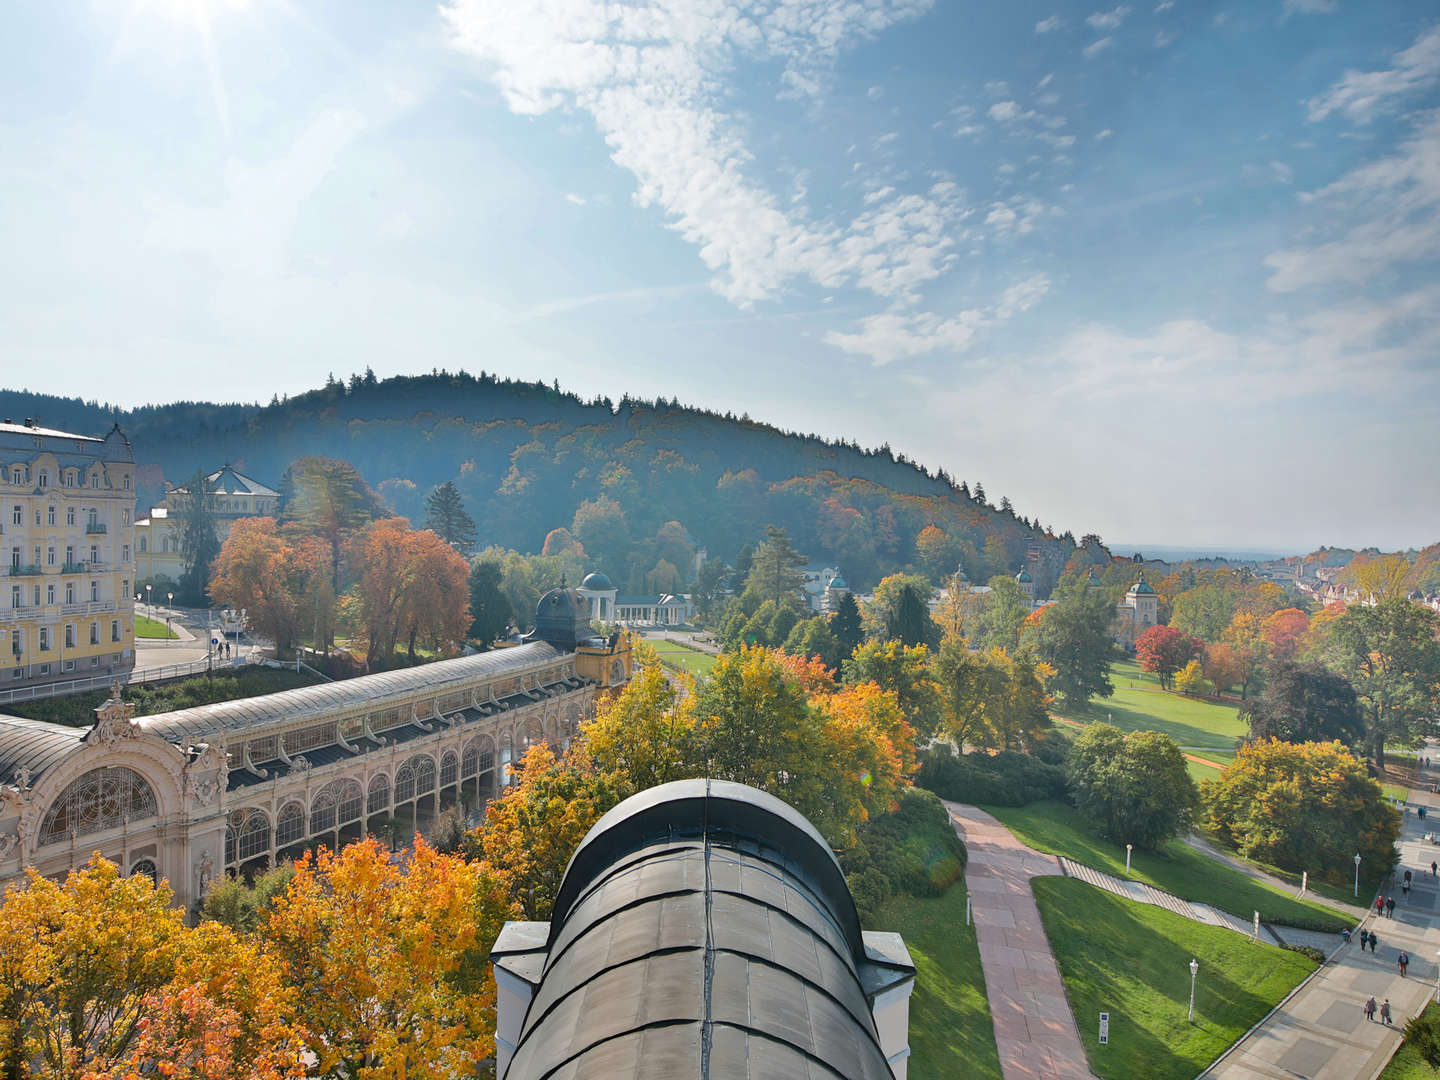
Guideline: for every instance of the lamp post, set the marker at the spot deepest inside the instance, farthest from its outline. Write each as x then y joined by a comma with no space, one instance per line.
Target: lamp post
1357,875
1194,970
149,601
1127,858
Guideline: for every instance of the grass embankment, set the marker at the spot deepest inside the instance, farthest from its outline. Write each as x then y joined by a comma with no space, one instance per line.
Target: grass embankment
1139,704
951,1033
1177,868
1132,961
79,710
1407,1064
682,657
146,627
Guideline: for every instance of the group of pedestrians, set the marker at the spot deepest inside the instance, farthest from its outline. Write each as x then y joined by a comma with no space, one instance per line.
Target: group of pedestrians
1370,1009
1367,940
1386,905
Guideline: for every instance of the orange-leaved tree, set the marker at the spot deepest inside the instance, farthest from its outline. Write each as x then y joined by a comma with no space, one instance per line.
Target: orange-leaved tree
391,961
282,581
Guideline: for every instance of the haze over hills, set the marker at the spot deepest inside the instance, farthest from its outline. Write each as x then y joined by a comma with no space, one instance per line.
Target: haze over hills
529,458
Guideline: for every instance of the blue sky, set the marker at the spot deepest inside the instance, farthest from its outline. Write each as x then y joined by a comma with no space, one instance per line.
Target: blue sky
1164,271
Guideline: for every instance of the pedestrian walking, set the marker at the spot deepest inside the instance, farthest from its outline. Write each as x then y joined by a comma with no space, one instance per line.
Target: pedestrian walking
1434,868
1364,939
1370,1008
1385,1011
1374,940
1407,879
1402,961
1390,907
1379,906
1345,935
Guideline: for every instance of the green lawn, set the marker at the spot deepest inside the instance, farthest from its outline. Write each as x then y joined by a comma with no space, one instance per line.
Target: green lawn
1179,868
1140,705
146,627
682,657
951,1033
1132,961
1200,772
1407,1064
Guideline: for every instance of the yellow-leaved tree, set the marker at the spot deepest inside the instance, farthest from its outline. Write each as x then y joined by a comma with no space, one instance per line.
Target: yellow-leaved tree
390,961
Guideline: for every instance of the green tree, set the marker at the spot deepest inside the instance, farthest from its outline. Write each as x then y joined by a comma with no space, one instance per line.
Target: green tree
198,540
969,687
602,528
1204,612
813,637
490,610
1134,785
1305,703
1391,656
1004,612
446,517
774,570
846,626
902,671
1302,806
644,735
329,498
1072,636
901,612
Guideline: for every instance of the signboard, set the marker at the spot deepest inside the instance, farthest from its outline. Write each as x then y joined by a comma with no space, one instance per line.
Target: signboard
1104,1029
1257,926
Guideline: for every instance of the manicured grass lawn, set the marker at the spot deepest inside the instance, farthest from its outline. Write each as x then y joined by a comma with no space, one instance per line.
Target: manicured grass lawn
146,627
1132,961
1179,868
1407,1064
951,1033
1140,705
1200,772
682,657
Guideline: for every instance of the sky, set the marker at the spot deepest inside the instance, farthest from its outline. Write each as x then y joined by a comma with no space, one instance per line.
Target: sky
1163,271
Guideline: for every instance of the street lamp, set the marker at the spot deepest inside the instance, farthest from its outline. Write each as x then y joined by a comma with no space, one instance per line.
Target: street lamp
1357,875
149,601
1194,970
1127,858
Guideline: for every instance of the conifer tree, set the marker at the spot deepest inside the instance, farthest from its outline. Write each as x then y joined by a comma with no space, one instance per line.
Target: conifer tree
445,515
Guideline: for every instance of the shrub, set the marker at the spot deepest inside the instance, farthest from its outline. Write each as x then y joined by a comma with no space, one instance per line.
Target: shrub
1306,950
1135,786
1004,779
913,849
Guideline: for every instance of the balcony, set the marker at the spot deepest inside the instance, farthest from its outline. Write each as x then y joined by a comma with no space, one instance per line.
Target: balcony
75,568
89,607
19,614
96,528
28,570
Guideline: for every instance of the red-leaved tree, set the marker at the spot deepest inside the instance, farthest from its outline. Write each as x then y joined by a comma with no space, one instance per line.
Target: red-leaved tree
1166,650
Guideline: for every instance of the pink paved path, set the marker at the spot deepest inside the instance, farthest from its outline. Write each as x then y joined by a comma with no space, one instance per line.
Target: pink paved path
1034,1029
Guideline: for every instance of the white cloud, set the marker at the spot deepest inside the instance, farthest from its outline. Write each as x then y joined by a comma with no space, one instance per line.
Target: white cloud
1392,206
998,88
1360,94
970,129
900,335
1095,48
1310,7
1108,20
1162,39
1282,172
578,200
1004,112
875,93
653,78
1050,25
1103,134
1045,81
1164,5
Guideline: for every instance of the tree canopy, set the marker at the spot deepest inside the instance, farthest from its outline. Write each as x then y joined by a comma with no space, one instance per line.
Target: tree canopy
1134,785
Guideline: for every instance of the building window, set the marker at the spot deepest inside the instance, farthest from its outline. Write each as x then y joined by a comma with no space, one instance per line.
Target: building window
246,835
114,629
94,633
127,481
44,478
69,635
16,643
142,545
125,589
70,592
44,639
37,554
69,515
50,555
94,591
104,798
16,476
124,517
290,825
50,516
49,594
36,592
18,517
94,480
146,867
15,558
125,554
94,553
37,515
14,596
69,554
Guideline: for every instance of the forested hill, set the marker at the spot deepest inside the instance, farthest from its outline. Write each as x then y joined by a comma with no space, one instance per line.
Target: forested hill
529,458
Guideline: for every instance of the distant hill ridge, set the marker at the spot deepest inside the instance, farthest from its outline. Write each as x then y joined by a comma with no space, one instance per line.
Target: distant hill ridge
527,456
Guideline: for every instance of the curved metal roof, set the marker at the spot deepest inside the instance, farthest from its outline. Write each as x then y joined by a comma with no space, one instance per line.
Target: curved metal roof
697,933
194,725
34,745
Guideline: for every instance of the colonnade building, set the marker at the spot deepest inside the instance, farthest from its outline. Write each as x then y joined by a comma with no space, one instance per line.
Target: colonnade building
235,787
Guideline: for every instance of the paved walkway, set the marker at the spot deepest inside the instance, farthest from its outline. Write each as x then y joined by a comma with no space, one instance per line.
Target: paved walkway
1321,1032
1034,1030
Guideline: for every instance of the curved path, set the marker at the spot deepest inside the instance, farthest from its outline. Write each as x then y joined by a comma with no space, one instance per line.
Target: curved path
1034,1029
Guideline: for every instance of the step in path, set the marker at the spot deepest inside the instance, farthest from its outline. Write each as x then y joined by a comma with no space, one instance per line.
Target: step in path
1148,894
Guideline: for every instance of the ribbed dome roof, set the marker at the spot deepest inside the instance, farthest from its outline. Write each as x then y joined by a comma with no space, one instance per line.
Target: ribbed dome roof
1022,576
596,581
838,582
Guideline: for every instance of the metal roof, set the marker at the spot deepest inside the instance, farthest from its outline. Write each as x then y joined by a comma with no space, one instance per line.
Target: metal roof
227,480
698,933
34,745
197,724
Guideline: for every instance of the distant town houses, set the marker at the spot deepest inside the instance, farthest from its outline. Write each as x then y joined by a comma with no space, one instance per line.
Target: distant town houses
159,537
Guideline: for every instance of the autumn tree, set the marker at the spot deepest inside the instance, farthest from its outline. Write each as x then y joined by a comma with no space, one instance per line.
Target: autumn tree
1302,806
1391,656
1245,637
936,552
1192,681
282,581
1224,667
1379,578
1134,785
445,516
437,602
411,582
1305,703
644,735
1284,632
1164,650
904,672
561,542
391,961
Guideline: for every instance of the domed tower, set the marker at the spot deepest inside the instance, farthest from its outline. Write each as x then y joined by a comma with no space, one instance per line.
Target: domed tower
600,592
562,618
1026,583
1146,603
835,591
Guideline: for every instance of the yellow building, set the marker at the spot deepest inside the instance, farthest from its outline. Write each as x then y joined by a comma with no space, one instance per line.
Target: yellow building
67,535
159,547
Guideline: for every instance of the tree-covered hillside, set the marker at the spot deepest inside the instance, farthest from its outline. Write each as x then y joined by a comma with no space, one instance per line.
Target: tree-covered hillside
529,458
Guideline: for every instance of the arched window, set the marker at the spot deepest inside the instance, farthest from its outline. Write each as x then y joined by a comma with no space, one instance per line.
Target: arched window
507,755
101,799
247,834
146,867
338,803
449,768
378,799
290,824
415,777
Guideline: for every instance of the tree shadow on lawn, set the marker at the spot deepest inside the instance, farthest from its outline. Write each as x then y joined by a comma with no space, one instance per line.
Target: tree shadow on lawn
1137,969
1126,719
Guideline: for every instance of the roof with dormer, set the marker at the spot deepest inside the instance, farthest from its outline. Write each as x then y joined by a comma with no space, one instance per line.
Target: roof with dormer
227,481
